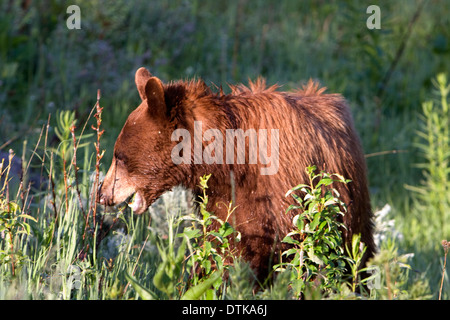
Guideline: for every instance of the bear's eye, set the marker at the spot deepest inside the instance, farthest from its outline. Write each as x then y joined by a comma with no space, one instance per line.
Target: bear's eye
120,156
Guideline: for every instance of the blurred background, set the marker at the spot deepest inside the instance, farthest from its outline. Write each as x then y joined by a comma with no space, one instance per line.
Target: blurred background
393,78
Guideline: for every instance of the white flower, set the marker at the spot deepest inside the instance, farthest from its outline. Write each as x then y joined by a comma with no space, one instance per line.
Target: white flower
385,227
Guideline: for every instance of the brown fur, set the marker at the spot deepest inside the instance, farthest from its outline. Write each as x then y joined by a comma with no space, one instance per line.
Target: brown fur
314,128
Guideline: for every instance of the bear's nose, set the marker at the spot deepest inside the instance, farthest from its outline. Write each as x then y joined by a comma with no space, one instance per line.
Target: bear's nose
100,196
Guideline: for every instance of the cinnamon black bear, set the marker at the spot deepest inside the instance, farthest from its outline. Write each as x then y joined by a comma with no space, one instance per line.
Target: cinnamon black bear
256,142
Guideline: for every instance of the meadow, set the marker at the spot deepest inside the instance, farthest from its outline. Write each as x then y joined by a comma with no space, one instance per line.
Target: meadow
65,94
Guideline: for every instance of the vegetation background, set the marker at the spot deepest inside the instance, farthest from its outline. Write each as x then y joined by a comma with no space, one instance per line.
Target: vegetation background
394,79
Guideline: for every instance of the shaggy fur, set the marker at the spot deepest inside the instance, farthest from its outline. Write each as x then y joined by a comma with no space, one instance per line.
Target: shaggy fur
314,129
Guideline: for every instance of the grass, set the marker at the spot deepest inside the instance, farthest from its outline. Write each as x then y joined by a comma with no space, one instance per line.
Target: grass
393,78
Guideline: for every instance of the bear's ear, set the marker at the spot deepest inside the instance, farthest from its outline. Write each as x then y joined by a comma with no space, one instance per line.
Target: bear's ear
141,78
154,92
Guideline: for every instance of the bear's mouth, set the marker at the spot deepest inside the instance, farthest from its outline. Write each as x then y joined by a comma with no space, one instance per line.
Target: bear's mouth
137,203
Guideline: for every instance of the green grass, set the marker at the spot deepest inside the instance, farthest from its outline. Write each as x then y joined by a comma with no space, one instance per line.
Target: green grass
49,77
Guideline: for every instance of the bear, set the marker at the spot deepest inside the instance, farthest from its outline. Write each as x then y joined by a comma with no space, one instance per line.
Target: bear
183,130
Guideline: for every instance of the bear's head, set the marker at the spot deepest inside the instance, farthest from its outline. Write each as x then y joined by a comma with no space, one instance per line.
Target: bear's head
142,169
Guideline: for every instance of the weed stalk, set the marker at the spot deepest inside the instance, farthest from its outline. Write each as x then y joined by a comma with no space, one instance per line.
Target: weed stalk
446,246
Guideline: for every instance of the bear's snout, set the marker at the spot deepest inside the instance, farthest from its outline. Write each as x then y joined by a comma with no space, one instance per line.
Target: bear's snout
116,188
100,195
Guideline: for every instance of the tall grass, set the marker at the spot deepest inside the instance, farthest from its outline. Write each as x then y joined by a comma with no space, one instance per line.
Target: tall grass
55,238
431,206
434,145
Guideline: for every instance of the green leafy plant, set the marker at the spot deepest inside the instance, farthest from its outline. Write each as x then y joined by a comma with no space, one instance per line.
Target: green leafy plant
200,260
170,273
13,223
355,258
210,249
317,252
393,278
433,195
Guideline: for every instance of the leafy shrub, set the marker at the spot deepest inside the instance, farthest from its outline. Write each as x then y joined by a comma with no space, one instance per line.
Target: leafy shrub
317,257
209,246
